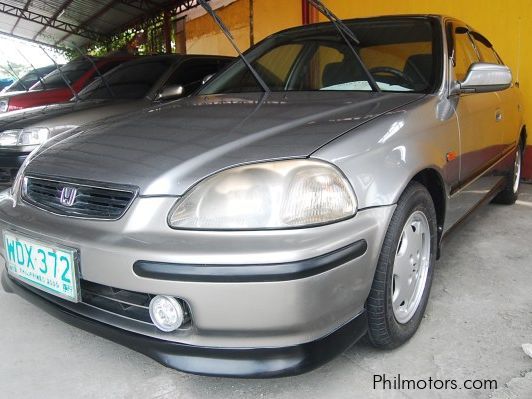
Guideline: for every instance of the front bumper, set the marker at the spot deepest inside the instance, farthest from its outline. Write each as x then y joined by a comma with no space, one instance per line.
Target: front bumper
229,362
255,296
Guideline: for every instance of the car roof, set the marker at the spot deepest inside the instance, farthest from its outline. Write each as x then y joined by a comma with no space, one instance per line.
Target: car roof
172,57
327,24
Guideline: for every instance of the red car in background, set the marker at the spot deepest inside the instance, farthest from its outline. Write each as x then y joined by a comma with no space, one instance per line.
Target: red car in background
53,88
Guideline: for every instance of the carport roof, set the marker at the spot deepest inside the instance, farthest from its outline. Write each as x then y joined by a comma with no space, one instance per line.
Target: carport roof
63,22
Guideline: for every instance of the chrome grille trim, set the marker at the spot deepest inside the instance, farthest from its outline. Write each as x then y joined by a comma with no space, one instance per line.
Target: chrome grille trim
93,201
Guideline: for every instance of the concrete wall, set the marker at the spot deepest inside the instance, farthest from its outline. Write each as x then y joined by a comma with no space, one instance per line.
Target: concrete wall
203,36
508,24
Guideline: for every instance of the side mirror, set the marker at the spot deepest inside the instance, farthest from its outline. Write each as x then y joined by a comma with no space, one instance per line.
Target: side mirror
207,78
483,78
170,92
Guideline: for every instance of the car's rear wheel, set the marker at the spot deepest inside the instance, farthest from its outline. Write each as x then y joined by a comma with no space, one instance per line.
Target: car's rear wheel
511,191
403,277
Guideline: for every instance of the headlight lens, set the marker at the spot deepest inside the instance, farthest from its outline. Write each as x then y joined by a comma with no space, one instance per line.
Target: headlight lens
24,137
4,104
270,195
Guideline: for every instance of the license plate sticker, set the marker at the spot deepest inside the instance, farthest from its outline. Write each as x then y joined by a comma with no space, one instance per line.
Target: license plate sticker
48,267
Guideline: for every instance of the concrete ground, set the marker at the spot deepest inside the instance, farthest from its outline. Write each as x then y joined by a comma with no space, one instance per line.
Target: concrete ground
479,315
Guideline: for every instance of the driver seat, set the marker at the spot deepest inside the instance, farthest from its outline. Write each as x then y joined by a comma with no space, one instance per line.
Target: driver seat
418,68
337,73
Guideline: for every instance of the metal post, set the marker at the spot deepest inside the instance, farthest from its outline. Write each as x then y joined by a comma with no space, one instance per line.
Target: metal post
251,24
305,14
167,32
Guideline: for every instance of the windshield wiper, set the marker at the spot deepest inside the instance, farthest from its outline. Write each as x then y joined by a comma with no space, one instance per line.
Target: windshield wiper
63,77
13,75
31,65
12,72
111,93
231,39
348,36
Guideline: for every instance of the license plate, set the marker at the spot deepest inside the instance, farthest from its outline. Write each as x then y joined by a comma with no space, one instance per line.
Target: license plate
48,267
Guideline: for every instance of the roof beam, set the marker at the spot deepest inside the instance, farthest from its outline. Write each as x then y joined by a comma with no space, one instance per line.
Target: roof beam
56,15
48,21
96,15
33,41
26,6
144,5
175,7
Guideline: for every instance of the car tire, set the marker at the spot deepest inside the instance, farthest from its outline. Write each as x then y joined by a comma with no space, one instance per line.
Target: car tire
511,190
403,276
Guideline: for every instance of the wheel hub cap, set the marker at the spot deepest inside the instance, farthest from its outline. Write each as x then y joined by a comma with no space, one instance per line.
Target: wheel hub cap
410,269
517,170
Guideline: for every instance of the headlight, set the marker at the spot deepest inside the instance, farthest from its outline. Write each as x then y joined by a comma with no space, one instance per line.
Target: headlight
270,195
24,137
4,104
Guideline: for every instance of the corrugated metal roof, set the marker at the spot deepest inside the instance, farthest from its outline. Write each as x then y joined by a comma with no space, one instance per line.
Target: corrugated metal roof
77,22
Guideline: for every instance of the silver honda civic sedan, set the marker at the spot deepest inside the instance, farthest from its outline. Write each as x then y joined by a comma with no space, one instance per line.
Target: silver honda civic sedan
295,203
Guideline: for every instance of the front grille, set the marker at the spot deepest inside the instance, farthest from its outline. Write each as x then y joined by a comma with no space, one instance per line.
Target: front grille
133,305
91,201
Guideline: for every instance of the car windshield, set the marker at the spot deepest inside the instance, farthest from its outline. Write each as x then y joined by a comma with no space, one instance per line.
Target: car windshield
401,54
71,72
32,77
130,81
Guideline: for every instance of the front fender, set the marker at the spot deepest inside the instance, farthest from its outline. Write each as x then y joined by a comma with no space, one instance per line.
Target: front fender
382,156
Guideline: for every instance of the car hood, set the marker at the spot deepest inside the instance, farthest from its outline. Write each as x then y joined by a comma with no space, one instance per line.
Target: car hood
67,114
164,150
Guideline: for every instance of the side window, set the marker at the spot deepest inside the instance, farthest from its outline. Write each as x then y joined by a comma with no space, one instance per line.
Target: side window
104,69
464,53
487,54
31,79
190,74
279,61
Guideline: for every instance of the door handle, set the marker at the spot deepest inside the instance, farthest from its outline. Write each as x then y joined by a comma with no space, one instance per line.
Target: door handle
498,116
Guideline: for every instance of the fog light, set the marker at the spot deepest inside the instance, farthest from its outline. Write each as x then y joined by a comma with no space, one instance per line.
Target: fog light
166,313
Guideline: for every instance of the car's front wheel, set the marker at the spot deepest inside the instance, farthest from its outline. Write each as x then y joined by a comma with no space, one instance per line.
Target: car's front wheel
403,277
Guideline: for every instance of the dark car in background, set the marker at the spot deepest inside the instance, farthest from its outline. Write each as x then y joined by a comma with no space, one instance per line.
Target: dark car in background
129,87
4,82
29,79
54,88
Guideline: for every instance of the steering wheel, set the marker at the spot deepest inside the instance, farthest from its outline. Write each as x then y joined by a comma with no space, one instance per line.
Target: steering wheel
395,72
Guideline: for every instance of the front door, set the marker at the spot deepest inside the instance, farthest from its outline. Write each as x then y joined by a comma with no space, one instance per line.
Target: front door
481,138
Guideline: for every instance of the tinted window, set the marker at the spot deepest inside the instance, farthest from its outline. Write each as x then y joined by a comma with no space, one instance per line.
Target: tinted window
130,81
400,55
191,73
487,54
71,72
464,53
25,82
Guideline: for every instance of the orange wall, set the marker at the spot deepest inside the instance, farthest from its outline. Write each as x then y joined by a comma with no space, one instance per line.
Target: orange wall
204,37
